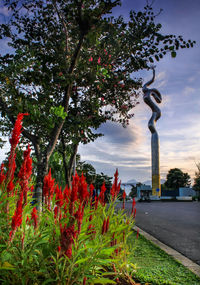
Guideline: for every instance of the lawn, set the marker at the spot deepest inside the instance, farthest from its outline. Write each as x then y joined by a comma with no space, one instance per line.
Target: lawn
154,266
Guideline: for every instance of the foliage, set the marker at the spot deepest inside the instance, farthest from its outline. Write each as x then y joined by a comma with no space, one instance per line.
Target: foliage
196,185
70,65
176,178
75,239
133,192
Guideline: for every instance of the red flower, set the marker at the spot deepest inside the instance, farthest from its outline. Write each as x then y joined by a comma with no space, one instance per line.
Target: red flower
59,196
66,194
107,224
116,186
2,175
99,60
91,59
101,195
25,172
10,187
91,189
14,140
68,234
79,217
82,189
48,188
137,234
84,280
103,230
34,217
133,206
55,212
134,214
17,218
124,197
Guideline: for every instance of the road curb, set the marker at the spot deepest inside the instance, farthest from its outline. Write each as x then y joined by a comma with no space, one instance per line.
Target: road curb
195,268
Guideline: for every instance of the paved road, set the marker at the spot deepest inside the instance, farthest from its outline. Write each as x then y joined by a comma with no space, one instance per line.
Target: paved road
177,224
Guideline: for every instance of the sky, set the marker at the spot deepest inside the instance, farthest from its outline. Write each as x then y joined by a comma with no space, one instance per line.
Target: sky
178,80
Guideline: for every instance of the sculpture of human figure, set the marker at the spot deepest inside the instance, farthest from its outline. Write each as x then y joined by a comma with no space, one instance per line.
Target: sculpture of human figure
156,114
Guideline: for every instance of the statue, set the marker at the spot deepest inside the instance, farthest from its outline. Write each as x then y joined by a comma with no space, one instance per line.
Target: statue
156,114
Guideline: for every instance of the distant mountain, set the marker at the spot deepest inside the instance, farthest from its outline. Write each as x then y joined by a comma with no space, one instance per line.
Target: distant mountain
149,182
132,181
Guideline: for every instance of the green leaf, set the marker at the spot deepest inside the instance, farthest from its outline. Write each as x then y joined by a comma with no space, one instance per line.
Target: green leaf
82,260
173,54
103,281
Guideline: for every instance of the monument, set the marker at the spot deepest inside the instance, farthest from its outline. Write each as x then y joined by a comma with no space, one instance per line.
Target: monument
156,114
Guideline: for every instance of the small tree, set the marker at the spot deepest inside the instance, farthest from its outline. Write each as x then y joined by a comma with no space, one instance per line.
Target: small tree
196,185
176,178
133,192
70,60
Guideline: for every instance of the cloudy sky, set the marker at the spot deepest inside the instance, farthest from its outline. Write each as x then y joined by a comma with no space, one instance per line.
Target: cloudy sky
178,80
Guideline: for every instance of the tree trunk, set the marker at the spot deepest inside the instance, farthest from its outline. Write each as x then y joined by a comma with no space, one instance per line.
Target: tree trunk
68,168
42,169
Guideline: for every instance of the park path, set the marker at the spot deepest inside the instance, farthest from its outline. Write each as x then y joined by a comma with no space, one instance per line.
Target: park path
177,224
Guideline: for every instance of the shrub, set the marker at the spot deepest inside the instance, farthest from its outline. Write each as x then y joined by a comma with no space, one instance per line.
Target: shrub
76,239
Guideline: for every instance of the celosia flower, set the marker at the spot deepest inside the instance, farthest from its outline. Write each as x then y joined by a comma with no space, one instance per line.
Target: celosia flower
68,234
134,213
96,201
55,212
103,230
82,189
91,59
79,217
116,186
66,194
2,175
59,196
91,190
34,217
48,188
14,140
99,60
124,197
10,187
17,217
101,195
107,224
133,206
25,173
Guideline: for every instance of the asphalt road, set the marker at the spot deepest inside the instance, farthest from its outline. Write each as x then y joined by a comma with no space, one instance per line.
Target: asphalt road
177,224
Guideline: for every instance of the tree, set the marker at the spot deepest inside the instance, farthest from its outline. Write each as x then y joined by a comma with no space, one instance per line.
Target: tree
176,178
69,60
133,192
196,185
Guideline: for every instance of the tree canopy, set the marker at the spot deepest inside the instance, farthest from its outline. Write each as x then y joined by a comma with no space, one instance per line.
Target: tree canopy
71,66
196,185
177,178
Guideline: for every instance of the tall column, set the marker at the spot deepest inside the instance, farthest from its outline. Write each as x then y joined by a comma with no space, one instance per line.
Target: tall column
155,160
156,114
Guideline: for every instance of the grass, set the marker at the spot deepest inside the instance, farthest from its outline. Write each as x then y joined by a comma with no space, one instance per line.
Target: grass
154,266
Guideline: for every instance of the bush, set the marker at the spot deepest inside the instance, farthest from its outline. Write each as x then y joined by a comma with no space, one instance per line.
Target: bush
76,239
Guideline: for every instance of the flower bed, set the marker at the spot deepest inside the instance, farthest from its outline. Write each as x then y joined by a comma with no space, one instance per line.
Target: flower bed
74,240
